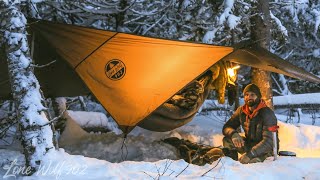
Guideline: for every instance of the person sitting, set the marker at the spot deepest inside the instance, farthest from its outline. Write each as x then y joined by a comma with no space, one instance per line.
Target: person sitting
256,119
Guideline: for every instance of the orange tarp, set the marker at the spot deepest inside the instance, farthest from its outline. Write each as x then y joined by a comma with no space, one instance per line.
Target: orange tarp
154,71
133,75
151,70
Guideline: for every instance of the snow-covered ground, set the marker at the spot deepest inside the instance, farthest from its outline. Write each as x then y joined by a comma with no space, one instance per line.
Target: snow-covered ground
100,156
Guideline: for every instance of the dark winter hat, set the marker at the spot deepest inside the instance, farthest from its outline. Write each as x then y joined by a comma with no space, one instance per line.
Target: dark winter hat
252,88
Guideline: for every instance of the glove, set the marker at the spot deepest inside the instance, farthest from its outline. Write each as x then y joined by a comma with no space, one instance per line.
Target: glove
237,140
244,159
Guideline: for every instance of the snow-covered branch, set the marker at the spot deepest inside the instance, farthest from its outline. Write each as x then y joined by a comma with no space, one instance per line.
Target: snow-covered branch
283,30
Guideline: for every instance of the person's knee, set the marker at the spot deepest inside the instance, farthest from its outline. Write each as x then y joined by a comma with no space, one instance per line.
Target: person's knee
232,153
226,141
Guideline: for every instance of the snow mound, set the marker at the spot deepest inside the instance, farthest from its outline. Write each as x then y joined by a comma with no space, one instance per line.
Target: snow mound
113,147
94,119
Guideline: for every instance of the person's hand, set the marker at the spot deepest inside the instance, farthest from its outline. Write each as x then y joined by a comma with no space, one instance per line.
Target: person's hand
237,140
244,159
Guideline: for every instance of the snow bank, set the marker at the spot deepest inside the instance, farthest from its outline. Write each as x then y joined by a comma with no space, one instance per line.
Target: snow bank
152,159
65,166
94,119
302,139
113,147
312,98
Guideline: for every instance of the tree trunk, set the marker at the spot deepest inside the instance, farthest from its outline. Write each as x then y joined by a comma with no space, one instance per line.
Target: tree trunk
260,32
59,107
35,131
120,16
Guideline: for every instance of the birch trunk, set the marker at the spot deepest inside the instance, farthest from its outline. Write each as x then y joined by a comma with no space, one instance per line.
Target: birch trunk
36,133
260,32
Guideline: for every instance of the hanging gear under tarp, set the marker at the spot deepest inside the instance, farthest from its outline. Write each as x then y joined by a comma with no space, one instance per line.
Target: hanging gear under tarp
183,106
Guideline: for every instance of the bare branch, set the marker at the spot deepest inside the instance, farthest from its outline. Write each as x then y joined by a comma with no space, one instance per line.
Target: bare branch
55,118
182,170
42,66
148,175
153,25
126,8
211,168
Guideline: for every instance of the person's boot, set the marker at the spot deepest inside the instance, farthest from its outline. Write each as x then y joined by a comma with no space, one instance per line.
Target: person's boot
232,153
